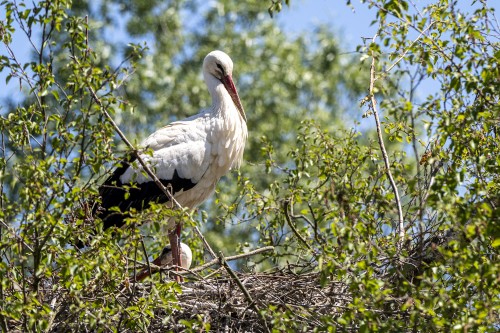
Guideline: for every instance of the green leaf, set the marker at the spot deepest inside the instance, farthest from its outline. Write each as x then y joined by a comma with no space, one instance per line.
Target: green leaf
496,243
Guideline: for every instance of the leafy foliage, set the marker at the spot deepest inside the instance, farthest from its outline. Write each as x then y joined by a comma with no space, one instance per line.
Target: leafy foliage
315,189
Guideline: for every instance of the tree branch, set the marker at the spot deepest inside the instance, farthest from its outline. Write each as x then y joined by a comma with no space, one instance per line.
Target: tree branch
231,258
146,168
212,262
373,103
286,209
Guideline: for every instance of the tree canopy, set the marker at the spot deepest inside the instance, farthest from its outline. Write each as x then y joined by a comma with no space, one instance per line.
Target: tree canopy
376,198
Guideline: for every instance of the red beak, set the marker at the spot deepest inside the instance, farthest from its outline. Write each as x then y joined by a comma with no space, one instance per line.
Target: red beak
231,89
160,262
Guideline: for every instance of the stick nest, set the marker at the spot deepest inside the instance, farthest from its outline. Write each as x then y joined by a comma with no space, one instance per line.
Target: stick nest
278,297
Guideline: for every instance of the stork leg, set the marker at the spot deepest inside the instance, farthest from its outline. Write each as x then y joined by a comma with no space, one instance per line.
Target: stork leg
175,242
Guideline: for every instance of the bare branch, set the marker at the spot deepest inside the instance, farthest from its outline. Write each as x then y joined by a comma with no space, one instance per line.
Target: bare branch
373,103
134,150
401,57
231,258
203,239
286,209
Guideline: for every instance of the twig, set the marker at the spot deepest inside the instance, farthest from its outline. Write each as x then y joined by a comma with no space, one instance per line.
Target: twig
231,258
223,262
243,289
428,189
422,33
145,255
215,272
286,205
125,312
203,239
373,102
216,258
146,168
15,235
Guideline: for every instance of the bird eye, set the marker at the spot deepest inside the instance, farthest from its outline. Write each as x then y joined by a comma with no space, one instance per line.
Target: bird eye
219,66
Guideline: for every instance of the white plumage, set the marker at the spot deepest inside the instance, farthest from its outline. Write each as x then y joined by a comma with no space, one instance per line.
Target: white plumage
190,156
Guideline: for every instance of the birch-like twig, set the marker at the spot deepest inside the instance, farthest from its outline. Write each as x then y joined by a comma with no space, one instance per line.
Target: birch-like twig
373,103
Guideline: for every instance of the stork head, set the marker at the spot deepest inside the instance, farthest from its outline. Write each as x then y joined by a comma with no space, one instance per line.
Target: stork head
219,65
166,259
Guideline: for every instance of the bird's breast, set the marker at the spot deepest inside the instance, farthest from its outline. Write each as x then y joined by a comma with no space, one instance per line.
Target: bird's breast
228,140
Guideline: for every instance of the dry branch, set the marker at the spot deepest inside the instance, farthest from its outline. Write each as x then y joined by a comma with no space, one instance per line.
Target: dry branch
145,167
216,261
216,301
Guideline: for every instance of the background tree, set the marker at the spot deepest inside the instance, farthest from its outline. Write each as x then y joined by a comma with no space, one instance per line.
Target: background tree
167,84
397,222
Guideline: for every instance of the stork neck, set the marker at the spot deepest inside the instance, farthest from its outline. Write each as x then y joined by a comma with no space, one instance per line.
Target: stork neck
221,100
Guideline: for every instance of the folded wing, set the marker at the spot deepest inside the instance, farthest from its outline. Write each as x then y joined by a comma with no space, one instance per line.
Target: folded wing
178,154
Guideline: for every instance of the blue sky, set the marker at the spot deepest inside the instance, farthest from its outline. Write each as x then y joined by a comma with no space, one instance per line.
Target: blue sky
301,16
352,23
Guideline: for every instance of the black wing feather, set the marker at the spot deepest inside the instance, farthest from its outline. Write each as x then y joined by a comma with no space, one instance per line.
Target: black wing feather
140,196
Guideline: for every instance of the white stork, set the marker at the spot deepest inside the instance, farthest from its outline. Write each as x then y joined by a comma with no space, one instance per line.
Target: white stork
188,156
166,259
